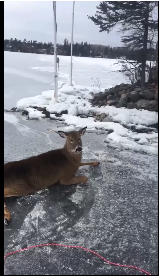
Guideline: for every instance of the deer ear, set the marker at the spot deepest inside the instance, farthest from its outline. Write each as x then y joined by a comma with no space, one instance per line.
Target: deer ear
62,134
82,131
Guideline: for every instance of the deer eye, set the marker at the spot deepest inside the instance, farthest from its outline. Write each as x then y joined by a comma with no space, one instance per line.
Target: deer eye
71,140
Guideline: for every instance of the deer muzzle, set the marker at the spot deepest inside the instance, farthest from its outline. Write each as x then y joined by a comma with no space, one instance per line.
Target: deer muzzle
78,149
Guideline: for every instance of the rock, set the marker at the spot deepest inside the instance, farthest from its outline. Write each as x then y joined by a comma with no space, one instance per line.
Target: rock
35,107
41,109
154,105
47,113
137,89
123,84
154,126
64,112
120,93
13,109
25,112
153,102
123,100
100,104
131,105
127,95
148,95
134,96
107,119
129,86
156,95
90,114
110,131
153,84
141,94
124,96
97,114
100,132
124,91
92,94
58,115
143,104
140,130
111,92
111,98
52,118
100,96
83,116
111,102
102,116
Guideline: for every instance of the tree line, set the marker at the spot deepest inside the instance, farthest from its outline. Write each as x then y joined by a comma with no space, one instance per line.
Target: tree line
82,49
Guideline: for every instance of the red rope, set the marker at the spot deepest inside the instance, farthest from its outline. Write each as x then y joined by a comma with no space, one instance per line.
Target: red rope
74,246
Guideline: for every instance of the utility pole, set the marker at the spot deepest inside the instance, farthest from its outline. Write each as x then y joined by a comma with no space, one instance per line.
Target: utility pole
55,55
72,43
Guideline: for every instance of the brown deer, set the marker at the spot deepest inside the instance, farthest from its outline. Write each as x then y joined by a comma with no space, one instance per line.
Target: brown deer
27,176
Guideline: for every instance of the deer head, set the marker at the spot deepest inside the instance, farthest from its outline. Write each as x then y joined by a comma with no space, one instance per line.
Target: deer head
73,142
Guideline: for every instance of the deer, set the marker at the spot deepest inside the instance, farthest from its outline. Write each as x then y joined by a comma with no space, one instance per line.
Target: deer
27,176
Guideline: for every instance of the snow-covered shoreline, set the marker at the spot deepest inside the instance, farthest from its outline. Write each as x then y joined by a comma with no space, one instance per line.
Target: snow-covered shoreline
74,102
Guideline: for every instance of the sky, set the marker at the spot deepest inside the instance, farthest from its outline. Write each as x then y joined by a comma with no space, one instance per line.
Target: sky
33,20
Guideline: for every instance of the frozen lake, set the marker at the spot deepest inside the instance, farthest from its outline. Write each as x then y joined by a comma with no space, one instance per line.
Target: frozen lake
28,75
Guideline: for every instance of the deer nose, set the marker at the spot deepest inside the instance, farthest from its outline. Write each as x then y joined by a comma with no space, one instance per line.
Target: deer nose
78,149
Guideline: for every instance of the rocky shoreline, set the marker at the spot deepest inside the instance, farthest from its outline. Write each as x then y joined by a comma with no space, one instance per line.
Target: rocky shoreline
121,96
129,96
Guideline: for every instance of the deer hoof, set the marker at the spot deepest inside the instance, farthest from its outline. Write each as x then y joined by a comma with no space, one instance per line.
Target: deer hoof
85,179
95,163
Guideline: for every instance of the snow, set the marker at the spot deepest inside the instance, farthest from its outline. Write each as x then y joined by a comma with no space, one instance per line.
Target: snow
145,135
73,110
120,142
75,101
10,118
78,122
129,116
25,103
35,114
143,141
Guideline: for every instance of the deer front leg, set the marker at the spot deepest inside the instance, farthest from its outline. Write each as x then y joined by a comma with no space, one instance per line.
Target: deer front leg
95,163
74,180
7,215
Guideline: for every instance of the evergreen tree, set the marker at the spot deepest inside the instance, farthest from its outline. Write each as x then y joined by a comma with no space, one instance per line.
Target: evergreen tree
135,19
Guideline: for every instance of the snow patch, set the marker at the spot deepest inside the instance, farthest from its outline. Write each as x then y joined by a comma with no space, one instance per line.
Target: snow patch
35,114
77,197
117,141
10,118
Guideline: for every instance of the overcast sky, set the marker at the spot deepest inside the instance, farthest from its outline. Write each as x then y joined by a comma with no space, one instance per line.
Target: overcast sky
34,21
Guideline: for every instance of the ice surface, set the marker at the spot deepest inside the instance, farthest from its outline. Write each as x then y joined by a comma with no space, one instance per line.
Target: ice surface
89,77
